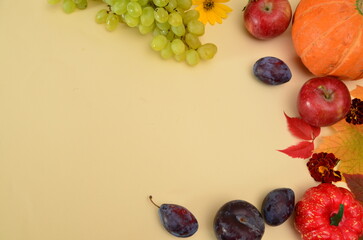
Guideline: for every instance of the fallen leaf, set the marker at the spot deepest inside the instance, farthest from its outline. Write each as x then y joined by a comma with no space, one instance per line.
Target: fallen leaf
303,149
355,184
346,143
357,92
301,129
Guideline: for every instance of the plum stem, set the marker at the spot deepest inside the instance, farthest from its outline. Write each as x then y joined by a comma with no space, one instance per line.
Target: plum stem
151,200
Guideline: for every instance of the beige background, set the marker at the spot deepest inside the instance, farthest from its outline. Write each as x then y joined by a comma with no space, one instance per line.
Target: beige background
93,122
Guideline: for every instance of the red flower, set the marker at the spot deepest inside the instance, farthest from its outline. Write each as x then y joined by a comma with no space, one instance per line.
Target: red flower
321,167
355,114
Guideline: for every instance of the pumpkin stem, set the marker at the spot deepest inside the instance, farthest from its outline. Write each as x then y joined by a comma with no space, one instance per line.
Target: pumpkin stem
337,217
359,4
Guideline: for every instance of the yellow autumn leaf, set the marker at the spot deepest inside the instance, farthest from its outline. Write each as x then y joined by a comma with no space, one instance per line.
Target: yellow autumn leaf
357,92
346,142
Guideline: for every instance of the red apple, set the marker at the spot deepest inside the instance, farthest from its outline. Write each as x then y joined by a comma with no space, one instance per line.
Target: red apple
265,19
323,101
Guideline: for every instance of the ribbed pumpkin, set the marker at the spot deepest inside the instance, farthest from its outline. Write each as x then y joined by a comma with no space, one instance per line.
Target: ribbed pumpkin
328,37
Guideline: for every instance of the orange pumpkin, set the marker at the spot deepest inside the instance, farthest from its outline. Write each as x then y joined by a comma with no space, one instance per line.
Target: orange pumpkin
328,37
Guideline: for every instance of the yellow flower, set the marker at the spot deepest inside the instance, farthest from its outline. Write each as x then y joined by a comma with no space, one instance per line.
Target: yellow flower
212,11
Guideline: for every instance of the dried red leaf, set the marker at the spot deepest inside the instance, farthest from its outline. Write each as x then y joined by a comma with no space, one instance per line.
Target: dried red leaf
303,149
355,184
301,129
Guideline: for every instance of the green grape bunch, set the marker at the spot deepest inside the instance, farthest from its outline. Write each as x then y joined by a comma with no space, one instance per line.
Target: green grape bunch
70,6
173,24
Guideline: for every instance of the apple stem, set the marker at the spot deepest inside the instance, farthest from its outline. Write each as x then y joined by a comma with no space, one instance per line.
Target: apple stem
359,4
151,200
267,7
326,92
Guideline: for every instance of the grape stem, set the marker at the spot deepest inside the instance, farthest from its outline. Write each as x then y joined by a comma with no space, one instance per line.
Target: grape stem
151,200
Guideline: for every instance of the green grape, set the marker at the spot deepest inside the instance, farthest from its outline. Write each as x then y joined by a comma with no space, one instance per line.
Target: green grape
147,16
164,32
180,11
160,3
146,29
196,27
185,4
178,30
180,57
121,18
163,26
81,4
101,16
166,52
143,2
53,1
68,6
120,7
192,41
192,57
159,42
207,51
109,2
161,15
190,15
170,35
111,22
175,19
130,20
177,46
156,32
134,9
171,5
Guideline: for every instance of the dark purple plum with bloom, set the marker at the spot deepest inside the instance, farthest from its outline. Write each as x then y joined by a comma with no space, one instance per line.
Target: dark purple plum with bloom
177,220
238,220
272,71
278,206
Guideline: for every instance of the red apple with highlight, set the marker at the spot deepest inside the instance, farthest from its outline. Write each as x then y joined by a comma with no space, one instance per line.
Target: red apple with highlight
266,19
323,101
